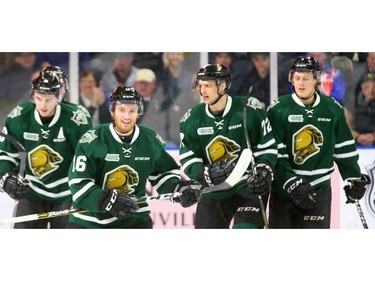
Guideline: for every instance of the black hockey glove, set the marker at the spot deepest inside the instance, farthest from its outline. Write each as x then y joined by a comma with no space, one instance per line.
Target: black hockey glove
260,183
355,189
190,193
216,173
15,185
119,204
302,193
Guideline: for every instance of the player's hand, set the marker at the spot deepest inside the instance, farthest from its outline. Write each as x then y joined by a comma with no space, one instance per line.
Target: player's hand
190,193
216,173
260,183
15,185
355,189
302,193
118,204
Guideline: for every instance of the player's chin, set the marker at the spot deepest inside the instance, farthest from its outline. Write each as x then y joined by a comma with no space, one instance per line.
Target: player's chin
124,128
207,100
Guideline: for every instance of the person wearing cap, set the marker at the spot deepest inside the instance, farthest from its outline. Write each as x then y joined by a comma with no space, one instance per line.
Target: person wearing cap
153,115
362,119
145,83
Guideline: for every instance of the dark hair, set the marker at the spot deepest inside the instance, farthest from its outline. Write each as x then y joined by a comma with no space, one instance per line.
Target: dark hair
88,72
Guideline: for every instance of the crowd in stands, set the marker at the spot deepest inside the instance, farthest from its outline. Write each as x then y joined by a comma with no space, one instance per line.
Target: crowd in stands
165,81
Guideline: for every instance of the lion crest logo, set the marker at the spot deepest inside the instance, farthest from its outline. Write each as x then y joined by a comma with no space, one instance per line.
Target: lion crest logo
122,179
221,148
305,143
43,160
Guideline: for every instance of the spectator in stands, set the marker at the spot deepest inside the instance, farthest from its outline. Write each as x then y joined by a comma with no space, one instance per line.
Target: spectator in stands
145,84
93,98
121,74
176,91
332,80
258,79
362,120
237,67
15,82
153,61
359,70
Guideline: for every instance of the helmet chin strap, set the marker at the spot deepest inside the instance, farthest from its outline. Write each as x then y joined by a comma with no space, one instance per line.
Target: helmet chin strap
218,97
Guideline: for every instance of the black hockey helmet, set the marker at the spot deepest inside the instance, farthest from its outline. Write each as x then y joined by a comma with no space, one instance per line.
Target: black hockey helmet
305,64
51,80
217,72
59,71
126,95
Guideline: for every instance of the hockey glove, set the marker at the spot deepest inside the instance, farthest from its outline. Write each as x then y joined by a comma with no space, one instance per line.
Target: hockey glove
118,204
15,185
355,189
190,193
302,193
216,173
260,183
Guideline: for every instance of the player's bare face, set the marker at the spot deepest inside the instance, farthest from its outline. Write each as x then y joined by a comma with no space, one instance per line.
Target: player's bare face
304,84
125,117
45,104
208,91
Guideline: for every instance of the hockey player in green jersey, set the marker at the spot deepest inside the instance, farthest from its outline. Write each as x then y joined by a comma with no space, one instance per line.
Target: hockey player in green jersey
312,134
49,129
112,164
212,139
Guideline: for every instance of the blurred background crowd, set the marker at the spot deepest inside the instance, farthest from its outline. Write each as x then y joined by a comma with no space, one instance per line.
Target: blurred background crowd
165,82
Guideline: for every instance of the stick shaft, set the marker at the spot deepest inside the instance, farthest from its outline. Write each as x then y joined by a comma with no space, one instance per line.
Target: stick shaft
248,143
21,151
361,215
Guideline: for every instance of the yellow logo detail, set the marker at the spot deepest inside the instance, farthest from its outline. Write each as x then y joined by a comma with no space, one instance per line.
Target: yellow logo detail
222,148
305,143
43,160
122,179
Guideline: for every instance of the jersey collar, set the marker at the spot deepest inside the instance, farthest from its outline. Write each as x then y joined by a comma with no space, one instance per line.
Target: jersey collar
226,110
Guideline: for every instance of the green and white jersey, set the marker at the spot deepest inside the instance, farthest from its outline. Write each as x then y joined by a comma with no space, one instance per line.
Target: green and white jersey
206,138
310,139
50,148
102,160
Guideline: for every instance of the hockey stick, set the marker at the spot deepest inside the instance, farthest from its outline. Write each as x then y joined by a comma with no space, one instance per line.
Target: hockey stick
237,173
365,181
21,151
233,178
248,143
40,216
361,215
67,212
